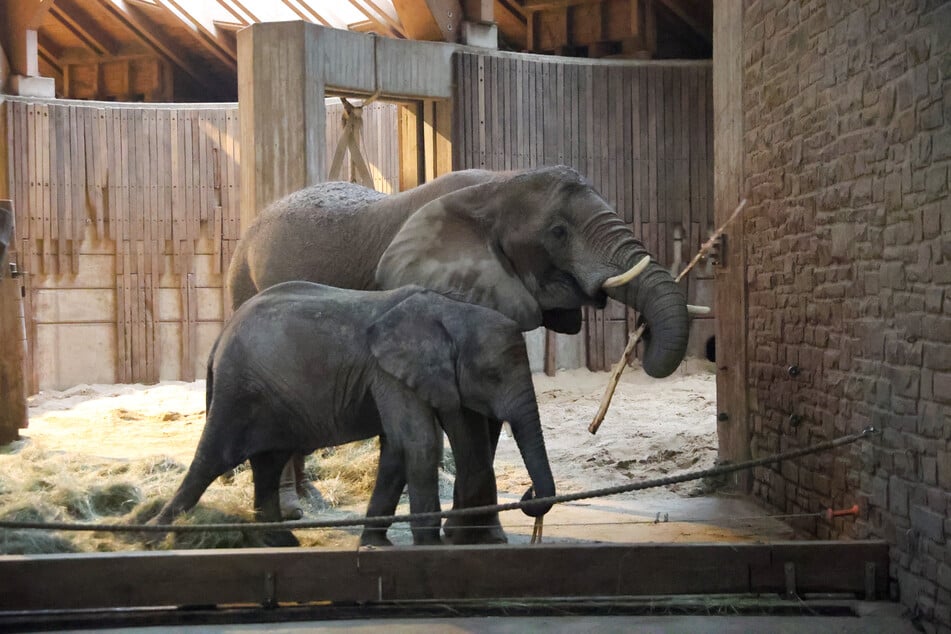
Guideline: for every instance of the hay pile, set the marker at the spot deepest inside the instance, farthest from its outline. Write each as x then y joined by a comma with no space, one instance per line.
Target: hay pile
119,456
116,453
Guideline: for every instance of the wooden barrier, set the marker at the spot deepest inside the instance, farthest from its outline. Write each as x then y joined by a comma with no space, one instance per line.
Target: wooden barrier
13,412
641,132
268,576
127,216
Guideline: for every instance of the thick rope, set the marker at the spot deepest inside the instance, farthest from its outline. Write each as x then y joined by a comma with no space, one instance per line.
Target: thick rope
477,510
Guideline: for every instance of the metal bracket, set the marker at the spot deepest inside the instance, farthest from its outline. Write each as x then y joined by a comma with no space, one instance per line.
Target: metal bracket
789,572
270,590
718,251
14,271
870,580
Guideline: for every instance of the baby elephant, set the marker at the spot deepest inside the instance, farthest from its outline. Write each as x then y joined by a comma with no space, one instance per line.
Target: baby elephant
302,366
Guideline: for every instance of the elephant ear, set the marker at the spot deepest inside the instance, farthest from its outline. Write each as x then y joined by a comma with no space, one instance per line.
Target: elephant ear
410,343
448,246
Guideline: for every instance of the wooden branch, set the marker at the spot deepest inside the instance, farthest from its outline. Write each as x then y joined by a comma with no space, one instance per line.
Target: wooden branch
636,336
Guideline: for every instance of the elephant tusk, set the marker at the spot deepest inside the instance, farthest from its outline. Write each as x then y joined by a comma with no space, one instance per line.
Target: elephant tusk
624,278
697,310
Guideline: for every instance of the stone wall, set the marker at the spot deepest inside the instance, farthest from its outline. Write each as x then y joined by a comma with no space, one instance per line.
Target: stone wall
847,144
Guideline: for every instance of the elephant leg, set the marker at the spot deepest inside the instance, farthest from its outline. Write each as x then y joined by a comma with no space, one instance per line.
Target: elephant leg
289,499
267,468
196,481
411,430
422,479
390,481
473,441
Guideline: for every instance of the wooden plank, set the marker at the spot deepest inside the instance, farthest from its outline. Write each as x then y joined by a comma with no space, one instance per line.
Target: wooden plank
13,406
79,165
103,177
256,576
43,177
122,355
29,169
731,294
57,133
480,60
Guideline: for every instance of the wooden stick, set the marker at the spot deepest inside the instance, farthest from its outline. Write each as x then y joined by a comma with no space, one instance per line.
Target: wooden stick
636,336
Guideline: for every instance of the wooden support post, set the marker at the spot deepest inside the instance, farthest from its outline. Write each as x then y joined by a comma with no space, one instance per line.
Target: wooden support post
731,298
13,411
412,171
281,112
20,22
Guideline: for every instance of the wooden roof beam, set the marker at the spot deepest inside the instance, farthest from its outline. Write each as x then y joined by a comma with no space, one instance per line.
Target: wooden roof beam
46,48
695,14
81,24
146,32
203,28
238,11
307,12
434,20
49,58
20,21
383,19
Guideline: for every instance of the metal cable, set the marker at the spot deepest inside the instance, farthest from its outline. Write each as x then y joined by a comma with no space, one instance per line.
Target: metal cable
477,510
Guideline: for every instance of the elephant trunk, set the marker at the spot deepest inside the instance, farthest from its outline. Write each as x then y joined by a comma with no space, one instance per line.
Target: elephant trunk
527,429
662,303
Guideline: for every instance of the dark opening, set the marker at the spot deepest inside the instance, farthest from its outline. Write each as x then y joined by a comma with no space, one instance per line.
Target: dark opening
712,349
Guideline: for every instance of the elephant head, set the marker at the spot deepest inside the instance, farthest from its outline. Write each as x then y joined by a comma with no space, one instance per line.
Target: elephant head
456,355
537,246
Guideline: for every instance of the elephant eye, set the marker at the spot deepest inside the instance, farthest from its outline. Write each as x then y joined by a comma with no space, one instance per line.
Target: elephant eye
559,232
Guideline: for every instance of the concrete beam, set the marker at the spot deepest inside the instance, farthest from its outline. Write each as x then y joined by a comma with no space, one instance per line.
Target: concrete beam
285,69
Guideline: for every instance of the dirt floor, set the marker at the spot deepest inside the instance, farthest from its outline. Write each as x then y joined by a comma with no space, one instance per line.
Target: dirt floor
114,452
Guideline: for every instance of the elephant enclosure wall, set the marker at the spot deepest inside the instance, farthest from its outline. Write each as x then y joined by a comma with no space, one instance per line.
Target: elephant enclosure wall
126,217
846,146
641,132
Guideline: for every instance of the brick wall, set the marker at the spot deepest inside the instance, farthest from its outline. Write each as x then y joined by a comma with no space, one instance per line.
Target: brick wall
847,144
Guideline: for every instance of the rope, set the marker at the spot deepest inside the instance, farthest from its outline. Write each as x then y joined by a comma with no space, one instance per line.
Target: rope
477,510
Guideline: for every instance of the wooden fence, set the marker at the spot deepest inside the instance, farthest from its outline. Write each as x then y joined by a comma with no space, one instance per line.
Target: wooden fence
642,133
126,217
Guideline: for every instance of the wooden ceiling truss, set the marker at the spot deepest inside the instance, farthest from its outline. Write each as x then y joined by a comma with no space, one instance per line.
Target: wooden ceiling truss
196,39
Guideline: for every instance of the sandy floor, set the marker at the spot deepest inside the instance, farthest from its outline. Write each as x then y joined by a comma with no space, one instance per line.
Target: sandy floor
654,428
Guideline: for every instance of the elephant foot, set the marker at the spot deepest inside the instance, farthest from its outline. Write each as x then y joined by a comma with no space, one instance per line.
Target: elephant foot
427,537
291,508
487,532
280,539
376,538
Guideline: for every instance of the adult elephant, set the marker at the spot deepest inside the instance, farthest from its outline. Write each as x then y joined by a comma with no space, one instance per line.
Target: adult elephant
535,245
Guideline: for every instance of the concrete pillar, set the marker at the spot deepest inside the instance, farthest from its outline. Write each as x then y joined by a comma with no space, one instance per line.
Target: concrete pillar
281,109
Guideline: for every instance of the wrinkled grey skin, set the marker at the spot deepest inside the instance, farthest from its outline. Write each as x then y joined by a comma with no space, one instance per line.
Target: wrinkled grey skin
534,245
300,366
6,236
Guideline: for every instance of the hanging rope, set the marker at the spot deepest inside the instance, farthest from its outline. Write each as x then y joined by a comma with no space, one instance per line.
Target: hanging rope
352,140
478,510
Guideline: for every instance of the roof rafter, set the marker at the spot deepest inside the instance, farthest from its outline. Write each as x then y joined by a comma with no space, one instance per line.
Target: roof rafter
306,12
83,27
379,17
137,24
693,15
203,29
236,9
